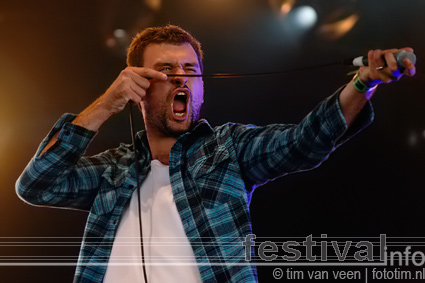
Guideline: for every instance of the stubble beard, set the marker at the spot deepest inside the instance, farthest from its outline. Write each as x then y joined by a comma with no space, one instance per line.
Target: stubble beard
170,128
167,126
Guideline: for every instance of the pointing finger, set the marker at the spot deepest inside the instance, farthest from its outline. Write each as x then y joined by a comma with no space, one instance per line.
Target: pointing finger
149,73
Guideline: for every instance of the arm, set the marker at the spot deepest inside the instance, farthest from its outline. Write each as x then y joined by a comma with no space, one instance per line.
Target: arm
131,85
265,153
58,175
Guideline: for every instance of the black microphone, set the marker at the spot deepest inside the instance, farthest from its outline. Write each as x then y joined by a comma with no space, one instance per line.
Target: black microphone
399,56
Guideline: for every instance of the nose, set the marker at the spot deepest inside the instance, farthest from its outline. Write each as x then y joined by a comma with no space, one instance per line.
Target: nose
180,80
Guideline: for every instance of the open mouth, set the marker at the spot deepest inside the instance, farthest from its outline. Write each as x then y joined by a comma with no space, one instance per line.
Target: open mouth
179,104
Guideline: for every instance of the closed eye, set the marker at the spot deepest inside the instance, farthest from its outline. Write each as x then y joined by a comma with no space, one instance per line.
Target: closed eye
190,70
165,69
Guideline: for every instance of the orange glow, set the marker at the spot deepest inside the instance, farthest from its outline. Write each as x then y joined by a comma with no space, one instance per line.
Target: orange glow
283,7
340,28
286,8
154,4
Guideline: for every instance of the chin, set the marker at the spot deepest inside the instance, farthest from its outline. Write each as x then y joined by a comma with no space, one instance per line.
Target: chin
178,128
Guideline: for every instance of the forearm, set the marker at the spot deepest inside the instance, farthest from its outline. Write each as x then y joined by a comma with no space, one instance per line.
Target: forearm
352,102
130,85
93,116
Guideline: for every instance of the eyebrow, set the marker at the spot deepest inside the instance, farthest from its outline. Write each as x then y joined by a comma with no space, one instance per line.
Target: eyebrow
166,64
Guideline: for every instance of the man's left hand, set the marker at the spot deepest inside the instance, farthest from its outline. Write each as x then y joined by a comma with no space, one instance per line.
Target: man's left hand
383,67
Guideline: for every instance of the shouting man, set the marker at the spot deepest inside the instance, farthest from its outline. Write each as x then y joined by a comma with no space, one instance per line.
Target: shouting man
196,181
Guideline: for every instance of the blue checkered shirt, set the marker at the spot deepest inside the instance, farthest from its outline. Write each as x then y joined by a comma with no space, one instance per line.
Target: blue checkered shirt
213,172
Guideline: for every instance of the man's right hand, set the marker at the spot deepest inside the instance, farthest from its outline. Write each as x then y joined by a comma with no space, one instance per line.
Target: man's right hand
130,85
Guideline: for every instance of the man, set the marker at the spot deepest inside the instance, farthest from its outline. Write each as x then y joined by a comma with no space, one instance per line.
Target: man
197,181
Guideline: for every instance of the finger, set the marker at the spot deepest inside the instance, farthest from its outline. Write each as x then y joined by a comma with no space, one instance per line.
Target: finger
149,73
128,78
375,59
378,61
408,49
139,80
391,61
410,67
137,93
378,57
392,50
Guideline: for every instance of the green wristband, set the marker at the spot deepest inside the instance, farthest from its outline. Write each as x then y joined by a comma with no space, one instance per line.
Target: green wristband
361,86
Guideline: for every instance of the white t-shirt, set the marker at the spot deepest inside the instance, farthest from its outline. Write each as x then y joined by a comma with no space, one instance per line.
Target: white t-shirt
168,254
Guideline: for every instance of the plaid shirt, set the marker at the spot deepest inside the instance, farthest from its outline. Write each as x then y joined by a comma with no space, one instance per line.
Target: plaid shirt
212,171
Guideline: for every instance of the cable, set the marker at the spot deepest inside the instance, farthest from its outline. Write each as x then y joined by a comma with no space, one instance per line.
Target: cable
241,75
209,76
137,169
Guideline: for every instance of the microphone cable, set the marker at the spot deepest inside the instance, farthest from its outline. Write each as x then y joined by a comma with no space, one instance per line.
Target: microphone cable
358,62
208,76
137,169
243,75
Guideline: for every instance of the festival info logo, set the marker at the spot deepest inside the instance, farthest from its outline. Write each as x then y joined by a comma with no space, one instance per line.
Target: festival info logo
337,259
362,259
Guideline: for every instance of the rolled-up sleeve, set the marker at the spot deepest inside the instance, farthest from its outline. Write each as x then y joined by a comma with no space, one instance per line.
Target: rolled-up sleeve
60,176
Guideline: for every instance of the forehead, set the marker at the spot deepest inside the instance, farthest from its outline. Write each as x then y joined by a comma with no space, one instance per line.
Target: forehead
169,53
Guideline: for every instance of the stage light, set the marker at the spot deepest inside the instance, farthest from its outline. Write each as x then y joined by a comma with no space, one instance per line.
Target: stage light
154,4
120,33
305,16
283,7
412,139
119,41
332,18
339,28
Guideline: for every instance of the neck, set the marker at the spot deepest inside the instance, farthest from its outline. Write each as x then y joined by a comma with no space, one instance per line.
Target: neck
161,147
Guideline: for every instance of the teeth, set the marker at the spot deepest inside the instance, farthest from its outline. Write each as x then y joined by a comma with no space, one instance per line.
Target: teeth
181,93
179,114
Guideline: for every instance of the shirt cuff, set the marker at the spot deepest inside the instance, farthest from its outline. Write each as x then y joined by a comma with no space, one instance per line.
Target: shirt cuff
70,134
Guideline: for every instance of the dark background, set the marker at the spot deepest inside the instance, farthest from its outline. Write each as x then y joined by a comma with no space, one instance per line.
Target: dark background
58,56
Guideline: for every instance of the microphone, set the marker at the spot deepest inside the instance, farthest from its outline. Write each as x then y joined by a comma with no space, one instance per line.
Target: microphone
399,56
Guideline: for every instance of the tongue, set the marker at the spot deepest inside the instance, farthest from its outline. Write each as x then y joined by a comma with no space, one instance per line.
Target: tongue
179,106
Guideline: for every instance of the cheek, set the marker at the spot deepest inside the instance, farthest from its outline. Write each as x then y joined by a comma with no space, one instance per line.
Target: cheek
153,89
198,93
157,94
198,99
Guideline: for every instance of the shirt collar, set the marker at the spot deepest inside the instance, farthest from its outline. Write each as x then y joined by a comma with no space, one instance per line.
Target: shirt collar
201,127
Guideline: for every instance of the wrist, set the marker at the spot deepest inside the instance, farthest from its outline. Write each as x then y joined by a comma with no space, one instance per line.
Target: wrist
362,85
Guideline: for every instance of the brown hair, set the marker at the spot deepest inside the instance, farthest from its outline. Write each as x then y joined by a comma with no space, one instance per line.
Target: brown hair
169,34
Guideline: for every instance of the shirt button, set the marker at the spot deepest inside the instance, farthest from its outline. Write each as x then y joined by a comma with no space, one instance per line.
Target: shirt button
115,222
